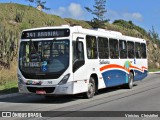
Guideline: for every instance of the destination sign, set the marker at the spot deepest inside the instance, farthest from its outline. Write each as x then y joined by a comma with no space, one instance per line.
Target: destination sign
47,33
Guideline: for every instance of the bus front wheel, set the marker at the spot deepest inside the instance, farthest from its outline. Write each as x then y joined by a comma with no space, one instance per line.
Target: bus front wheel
91,89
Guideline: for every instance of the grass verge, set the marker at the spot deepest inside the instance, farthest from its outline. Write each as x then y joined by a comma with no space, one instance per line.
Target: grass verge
8,79
154,70
9,87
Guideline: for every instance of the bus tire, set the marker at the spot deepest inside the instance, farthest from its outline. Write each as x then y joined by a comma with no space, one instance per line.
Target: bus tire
129,85
91,89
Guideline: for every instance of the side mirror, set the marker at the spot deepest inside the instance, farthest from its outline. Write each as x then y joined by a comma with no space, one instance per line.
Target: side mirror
78,44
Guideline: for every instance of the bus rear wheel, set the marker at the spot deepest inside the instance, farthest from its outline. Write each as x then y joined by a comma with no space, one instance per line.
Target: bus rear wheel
130,81
91,89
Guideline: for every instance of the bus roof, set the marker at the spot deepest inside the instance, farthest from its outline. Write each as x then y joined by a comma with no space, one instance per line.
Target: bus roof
129,38
96,32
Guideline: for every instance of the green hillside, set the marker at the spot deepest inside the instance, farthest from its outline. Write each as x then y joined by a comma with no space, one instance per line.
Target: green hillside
15,17
19,17
30,16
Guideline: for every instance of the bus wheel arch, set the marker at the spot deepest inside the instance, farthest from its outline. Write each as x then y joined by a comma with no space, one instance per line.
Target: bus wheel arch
129,85
92,86
132,71
96,81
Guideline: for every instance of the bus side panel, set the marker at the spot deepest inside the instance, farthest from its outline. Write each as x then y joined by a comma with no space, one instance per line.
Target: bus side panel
114,77
114,73
142,69
139,75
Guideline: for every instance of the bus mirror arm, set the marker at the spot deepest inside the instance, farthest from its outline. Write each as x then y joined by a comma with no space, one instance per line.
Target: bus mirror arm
77,40
78,48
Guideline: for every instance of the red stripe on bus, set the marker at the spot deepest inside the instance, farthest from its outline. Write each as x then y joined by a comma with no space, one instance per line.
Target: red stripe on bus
121,67
111,66
142,69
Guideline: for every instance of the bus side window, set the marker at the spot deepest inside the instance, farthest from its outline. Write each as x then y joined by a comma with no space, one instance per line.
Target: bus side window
113,47
103,48
123,49
143,50
130,49
137,50
91,44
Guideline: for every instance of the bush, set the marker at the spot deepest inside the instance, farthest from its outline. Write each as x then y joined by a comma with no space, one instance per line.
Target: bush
130,25
19,16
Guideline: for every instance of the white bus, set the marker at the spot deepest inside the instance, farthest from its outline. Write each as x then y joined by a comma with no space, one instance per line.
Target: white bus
67,60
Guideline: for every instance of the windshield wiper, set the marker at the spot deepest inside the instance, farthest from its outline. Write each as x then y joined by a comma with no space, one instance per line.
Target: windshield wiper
37,54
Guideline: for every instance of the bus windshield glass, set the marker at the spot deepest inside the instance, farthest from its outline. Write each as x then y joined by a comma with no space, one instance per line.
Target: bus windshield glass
44,57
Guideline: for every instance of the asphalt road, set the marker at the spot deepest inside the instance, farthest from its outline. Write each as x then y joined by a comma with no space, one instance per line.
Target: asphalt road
145,96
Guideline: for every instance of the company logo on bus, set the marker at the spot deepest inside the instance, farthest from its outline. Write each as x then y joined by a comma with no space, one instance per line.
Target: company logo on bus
104,62
30,82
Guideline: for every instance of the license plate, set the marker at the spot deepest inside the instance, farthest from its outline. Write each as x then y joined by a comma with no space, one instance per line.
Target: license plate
41,92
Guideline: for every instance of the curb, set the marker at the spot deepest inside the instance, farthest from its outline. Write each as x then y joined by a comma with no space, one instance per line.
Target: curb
9,95
154,72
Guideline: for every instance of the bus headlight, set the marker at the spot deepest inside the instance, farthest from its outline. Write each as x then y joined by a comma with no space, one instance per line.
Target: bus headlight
64,80
20,80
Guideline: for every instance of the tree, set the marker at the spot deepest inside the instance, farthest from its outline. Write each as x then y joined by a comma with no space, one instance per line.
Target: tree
99,13
40,4
154,36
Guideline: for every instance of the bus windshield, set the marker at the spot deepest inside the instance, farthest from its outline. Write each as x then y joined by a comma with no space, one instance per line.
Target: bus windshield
43,58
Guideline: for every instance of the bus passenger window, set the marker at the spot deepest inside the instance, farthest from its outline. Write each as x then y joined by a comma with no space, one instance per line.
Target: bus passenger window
123,49
113,46
137,50
91,47
130,49
103,48
143,50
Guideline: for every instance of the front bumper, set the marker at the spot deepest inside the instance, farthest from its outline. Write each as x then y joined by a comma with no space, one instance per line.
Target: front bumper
57,89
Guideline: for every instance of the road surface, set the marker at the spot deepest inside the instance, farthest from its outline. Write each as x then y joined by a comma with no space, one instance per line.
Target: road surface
145,96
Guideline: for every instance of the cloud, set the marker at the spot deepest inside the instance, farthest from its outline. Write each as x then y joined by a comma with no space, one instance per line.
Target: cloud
60,11
74,10
113,15
135,16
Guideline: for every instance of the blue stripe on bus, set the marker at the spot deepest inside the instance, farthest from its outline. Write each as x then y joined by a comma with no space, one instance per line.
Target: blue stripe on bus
115,77
119,77
140,75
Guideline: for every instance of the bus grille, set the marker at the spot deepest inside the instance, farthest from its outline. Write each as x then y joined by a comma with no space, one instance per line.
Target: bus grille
47,89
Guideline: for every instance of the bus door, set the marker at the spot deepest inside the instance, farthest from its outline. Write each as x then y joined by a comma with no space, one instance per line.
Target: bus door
79,70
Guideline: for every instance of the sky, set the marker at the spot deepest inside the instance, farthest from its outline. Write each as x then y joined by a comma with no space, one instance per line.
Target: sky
144,13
